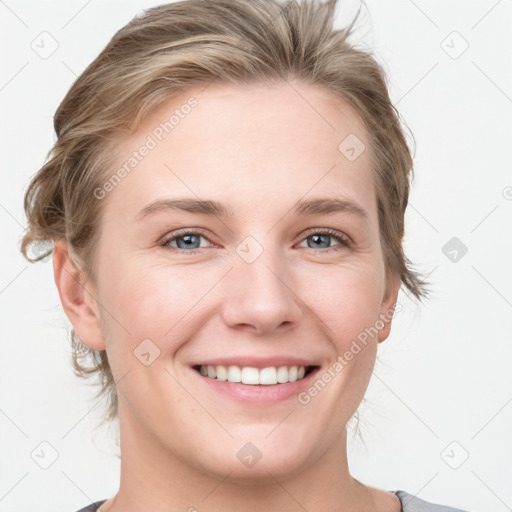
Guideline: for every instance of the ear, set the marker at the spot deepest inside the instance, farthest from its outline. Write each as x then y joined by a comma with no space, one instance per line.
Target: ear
388,305
78,297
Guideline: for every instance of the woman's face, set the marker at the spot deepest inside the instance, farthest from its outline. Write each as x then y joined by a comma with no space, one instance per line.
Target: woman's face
270,258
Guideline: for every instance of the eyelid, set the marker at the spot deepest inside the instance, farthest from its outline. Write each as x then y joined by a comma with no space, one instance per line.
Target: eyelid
344,239
185,231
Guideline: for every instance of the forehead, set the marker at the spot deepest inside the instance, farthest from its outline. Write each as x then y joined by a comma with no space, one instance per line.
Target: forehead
256,146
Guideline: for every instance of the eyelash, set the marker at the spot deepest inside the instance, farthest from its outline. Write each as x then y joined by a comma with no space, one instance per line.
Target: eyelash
344,241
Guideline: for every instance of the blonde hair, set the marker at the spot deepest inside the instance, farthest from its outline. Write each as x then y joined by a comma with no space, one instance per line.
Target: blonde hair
173,47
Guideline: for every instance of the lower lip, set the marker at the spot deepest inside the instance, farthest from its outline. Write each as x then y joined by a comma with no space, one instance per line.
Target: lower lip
261,394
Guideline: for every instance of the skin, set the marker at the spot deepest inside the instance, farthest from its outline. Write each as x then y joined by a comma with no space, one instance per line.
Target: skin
258,149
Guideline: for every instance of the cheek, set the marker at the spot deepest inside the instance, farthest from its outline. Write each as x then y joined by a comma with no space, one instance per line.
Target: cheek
166,303
159,302
346,298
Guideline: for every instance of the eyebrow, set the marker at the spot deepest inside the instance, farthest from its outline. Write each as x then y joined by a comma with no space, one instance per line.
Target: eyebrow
200,206
316,206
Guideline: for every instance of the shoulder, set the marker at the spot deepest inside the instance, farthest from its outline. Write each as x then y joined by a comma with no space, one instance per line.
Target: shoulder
411,503
93,507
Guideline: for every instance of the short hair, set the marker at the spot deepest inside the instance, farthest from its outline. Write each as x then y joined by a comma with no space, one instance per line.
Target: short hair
167,49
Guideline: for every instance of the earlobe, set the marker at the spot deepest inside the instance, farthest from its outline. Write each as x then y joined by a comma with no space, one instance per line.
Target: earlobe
388,306
77,298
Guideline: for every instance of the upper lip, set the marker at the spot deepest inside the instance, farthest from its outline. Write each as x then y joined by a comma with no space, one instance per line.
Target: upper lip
256,362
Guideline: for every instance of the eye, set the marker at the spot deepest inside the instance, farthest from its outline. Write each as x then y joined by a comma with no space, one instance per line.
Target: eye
186,241
321,239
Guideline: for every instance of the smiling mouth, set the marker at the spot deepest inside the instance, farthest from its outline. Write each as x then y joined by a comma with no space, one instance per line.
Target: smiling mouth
269,376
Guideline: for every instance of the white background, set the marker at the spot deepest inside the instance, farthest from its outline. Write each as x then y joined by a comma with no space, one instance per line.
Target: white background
444,374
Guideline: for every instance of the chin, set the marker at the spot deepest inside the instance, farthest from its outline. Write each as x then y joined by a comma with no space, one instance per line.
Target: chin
260,455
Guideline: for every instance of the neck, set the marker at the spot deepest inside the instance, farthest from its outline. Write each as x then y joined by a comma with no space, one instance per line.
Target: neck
153,478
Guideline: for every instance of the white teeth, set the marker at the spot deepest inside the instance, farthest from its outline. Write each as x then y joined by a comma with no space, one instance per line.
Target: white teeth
250,375
282,374
222,373
268,376
234,374
253,376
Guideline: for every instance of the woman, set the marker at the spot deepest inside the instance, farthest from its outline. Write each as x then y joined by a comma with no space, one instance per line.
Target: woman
226,202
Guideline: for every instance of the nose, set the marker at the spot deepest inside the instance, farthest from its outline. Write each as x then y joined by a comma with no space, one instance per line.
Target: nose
260,296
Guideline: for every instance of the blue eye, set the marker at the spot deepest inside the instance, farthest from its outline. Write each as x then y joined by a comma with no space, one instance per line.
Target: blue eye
321,240
190,241
185,240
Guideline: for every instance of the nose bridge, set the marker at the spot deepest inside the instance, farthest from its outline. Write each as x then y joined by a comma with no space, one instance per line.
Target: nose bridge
261,291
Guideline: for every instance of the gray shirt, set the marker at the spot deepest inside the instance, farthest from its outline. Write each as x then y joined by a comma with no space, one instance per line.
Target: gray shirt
410,503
